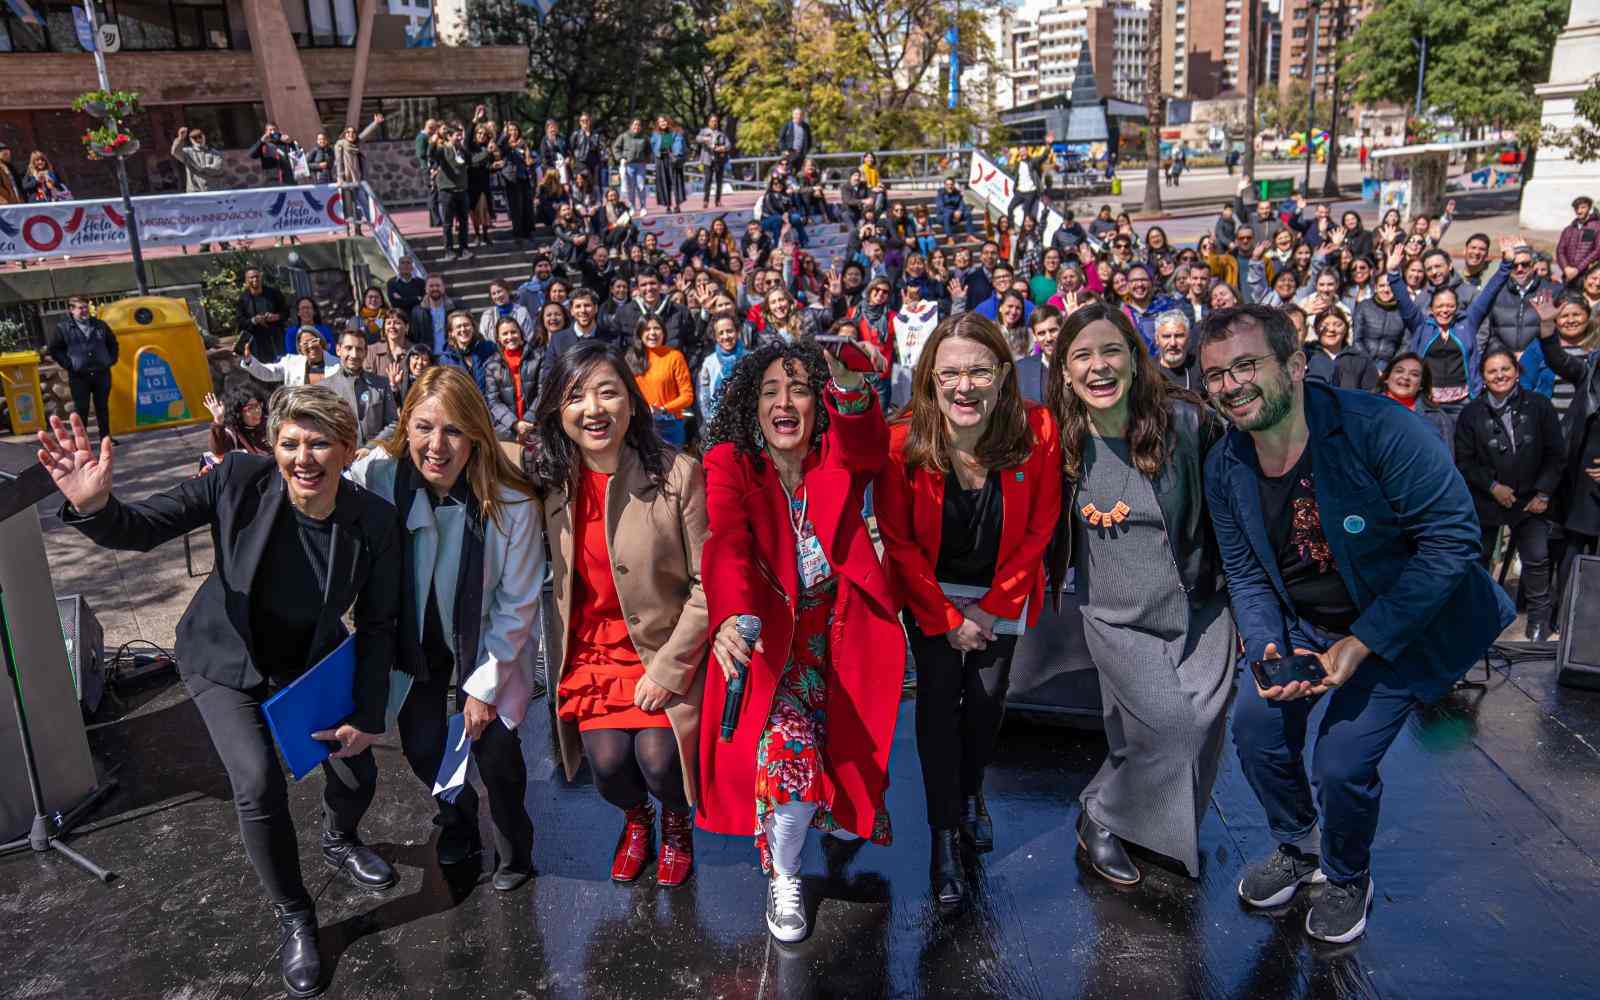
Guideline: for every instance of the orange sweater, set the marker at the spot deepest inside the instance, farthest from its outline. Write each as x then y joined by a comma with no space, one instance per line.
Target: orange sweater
666,383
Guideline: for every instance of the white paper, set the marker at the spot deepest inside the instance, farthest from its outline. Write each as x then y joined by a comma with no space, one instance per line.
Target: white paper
962,593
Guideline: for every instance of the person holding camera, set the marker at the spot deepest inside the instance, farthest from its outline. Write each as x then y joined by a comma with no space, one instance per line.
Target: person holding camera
1351,551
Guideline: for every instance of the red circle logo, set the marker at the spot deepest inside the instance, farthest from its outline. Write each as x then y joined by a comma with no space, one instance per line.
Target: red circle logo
46,245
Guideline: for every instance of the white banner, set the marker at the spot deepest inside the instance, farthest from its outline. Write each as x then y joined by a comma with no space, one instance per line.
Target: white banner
391,243
996,188
56,229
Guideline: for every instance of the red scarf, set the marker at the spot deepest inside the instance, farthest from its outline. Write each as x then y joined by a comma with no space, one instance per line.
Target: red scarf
514,362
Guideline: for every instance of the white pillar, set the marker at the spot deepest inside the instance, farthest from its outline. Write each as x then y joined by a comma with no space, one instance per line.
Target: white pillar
1557,179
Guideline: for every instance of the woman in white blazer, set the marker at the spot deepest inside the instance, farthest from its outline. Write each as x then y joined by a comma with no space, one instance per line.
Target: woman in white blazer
295,369
437,468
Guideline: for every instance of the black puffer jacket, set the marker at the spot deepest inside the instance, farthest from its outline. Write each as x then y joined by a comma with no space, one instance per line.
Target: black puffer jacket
1377,330
1513,322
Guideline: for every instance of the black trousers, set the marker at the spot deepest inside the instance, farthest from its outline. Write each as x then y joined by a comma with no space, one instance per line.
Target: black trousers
422,724
1530,539
261,794
666,184
453,210
714,171
961,700
519,205
95,386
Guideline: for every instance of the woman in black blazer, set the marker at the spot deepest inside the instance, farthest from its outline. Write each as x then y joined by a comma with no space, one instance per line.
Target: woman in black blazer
296,545
1511,451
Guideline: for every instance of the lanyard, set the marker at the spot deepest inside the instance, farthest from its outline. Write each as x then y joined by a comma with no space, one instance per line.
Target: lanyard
797,525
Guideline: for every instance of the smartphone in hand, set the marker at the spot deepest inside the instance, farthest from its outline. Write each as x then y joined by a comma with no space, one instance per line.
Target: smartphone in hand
848,352
1276,673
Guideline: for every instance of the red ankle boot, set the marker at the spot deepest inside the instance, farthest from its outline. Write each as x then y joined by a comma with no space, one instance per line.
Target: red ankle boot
636,845
677,848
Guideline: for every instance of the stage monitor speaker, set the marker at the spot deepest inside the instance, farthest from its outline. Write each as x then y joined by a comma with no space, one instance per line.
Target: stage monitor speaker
1052,673
86,649
1578,655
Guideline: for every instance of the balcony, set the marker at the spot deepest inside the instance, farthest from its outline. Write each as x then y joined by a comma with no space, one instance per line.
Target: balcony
50,80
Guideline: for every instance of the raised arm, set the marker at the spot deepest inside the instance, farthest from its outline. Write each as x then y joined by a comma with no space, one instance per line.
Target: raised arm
84,477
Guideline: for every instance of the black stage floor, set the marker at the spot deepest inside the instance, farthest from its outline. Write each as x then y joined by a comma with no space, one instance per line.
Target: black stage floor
1487,869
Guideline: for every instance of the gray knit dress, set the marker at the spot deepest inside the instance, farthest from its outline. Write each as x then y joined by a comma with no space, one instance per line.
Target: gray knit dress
1165,667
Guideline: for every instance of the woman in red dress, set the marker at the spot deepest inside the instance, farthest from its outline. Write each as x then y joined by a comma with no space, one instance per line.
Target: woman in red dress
792,452
626,519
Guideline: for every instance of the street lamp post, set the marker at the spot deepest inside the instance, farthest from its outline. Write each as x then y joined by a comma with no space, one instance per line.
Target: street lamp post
1311,91
122,169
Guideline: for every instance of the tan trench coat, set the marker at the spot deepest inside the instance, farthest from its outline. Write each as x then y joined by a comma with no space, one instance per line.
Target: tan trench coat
654,537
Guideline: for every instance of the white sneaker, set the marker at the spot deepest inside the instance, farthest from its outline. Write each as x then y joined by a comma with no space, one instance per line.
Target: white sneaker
786,910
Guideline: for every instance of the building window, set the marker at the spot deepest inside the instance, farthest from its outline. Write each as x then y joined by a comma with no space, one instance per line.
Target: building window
56,34
329,24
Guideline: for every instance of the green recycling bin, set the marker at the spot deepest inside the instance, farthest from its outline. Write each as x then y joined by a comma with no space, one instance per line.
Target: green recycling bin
1275,188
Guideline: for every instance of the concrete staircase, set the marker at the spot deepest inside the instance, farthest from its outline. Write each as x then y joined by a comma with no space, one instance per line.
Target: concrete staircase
467,281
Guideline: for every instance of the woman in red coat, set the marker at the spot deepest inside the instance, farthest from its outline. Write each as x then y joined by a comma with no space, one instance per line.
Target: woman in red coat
792,454
966,508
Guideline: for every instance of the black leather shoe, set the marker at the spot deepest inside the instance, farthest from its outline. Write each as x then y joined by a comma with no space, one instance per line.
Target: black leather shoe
976,827
1106,854
947,872
297,943
512,876
458,843
359,863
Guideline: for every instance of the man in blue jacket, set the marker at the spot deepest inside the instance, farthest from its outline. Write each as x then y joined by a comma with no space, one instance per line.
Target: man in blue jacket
1345,531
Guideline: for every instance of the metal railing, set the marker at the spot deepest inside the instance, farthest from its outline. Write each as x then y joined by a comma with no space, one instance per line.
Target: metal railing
903,167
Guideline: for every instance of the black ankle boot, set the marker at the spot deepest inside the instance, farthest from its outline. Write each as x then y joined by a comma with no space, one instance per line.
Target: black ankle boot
345,853
1106,853
947,872
976,827
302,962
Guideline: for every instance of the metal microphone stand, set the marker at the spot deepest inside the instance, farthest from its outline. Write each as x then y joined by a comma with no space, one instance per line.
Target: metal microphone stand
47,831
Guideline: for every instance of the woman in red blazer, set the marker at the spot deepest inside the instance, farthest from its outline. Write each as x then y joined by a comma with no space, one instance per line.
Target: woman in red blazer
970,498
792,454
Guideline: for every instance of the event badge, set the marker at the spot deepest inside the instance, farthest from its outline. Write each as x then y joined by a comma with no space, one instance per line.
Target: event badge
813,563
1355,524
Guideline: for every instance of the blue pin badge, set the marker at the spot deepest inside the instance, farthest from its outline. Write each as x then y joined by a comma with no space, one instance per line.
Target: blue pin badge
1355,524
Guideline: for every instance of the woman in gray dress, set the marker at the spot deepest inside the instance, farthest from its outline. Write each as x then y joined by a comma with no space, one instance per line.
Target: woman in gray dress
1155,618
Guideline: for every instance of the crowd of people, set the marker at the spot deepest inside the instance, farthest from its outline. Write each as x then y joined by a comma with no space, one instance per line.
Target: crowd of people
1314,429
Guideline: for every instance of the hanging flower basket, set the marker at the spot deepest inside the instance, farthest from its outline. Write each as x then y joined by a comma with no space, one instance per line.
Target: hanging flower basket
110,104
109,141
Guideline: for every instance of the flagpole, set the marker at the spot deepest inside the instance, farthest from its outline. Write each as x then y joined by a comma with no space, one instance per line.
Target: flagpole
122,168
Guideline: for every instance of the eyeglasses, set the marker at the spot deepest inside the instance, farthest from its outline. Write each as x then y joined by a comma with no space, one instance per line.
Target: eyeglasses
981,377
1243,371
1521,265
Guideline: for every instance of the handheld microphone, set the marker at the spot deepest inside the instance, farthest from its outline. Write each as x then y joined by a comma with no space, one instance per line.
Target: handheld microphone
749,629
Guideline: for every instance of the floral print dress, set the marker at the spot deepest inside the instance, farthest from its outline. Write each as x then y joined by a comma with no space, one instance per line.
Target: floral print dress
789,755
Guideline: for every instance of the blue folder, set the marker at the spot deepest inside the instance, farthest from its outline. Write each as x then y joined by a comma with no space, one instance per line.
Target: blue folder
321,698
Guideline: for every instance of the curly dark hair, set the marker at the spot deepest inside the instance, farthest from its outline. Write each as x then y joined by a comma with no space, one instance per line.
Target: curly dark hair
236,395
738,419
556,464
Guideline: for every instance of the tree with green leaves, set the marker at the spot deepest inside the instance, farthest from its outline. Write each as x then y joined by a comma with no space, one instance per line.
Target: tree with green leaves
867,72
1484,56
613,58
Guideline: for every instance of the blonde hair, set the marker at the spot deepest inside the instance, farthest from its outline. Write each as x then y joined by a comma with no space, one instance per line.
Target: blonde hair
488,470
316,405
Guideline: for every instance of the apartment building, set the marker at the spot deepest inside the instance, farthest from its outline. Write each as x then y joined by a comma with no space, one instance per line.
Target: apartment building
229,66
1040,53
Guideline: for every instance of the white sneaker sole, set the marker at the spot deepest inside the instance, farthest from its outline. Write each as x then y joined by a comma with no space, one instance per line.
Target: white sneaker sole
1285,894
1359,929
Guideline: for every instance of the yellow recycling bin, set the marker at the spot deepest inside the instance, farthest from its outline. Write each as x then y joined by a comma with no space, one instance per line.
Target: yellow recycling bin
161,376
19,373
1116,185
